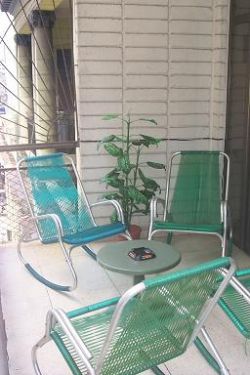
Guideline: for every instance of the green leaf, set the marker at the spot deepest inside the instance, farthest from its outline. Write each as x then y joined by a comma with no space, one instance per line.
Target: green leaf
114,172
113,150
123,191
136,196
148,194
156,165
152,121
148,183
144,141
137,142
112,138
151,185
124,164
108,139
113,181
110,116
151,140
114,217
142,177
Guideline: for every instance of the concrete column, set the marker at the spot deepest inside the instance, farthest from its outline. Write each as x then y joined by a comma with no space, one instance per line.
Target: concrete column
43,72
24,78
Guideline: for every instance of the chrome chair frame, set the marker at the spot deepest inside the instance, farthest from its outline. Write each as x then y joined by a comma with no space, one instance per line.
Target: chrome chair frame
55,316
225,212
59,228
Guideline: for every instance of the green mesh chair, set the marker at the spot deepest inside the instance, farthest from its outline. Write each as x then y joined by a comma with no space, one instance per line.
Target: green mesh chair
196,197
60,210
235,301
153,322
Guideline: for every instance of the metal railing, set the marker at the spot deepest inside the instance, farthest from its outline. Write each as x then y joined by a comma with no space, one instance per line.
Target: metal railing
13,204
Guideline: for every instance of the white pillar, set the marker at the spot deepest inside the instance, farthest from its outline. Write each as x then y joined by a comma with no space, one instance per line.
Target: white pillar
24,78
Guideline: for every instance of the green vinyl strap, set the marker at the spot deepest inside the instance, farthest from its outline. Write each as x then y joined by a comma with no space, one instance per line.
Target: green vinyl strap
66,355
197,190
94,307
43,280
207,355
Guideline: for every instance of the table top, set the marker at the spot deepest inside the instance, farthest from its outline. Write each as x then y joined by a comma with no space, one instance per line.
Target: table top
114,257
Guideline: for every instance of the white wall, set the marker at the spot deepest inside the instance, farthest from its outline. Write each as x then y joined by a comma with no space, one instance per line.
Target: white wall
164,59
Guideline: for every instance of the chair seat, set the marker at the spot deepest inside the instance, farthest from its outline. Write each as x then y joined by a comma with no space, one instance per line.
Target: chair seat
168,225
95,234
93,330
236,307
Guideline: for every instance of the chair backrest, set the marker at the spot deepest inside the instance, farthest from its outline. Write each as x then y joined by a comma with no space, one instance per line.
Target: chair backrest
156,320
51,185
197,184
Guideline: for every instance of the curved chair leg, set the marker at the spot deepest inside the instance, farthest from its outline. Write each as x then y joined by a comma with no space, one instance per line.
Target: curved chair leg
39,277
87,249
40,343
92,253
50,321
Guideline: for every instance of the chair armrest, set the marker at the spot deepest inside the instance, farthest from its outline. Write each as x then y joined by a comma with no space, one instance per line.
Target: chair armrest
113,203
58,316
94,307
155,201
153,212
55,218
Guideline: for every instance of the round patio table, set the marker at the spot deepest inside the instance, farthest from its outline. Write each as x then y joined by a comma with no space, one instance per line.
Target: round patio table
114,257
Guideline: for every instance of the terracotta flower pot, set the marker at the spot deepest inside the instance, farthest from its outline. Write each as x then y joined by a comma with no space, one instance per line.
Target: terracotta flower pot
135,231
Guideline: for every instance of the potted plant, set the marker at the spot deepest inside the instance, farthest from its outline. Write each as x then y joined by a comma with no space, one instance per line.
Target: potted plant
130,186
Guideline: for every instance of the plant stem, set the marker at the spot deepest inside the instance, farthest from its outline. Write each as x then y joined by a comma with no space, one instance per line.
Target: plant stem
128,133
138,153
127,208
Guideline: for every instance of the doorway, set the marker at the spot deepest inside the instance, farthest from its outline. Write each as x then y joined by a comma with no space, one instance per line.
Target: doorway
238,122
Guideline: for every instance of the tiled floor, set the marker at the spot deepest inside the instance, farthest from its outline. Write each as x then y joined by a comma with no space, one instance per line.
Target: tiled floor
25,303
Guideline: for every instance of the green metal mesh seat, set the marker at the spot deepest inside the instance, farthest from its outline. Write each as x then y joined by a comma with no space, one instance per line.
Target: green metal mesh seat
235,302
196,196
53,190
60,209
150,324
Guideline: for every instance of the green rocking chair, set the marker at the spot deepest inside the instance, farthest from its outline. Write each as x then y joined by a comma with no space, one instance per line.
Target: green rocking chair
60,210
153,322
196,197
